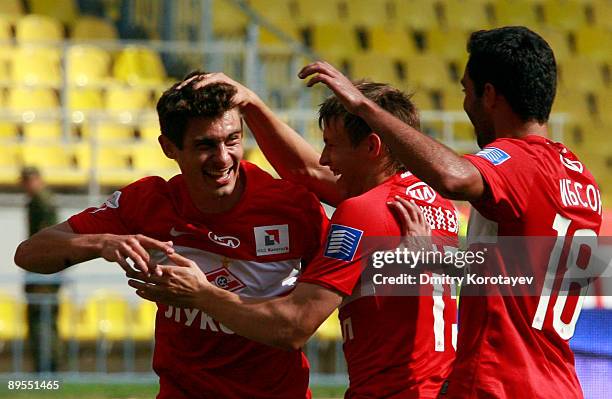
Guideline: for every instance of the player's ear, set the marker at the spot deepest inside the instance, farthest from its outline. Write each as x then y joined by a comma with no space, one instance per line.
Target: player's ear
489,96
375,145
167,146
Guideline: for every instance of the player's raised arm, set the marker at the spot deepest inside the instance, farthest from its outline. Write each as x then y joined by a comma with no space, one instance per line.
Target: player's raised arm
285,322
292,157
58,247
439,166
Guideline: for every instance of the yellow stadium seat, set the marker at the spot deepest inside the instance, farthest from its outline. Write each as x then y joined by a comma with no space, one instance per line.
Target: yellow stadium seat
582,74
31,99
11,9
318,12
88,65
38,28
149,129
594,43
110,131
36,66
559,42
65,11
428,72
391,40
566,14
449,44
330,329
38,112
42,131
376,67
278,12
335,40
113,165
127,99
602,11
573,103
367,13
422,99
113,314
5,29
416,15
515,12
58,163
139,65
11,161
149,160
82,101
462,15
228,19
266,37
143,327
604,105
93,28
12,318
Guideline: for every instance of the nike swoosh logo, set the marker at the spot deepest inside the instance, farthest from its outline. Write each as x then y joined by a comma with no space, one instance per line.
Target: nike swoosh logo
175,233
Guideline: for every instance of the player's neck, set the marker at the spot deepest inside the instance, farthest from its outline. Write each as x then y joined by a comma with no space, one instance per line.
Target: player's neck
375,179
513,127
207,202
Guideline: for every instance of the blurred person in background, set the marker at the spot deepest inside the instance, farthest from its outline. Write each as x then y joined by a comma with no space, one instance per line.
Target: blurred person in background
41,291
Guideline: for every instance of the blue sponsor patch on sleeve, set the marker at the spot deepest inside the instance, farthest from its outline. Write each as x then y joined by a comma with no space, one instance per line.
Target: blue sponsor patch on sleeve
342,242
494,155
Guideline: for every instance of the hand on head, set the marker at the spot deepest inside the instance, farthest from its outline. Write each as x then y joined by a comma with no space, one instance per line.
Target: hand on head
343,88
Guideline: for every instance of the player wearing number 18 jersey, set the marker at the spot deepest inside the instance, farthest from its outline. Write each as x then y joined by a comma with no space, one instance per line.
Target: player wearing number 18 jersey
536,188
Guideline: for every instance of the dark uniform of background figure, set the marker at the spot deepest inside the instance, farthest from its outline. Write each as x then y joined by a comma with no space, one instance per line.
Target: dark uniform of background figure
41,290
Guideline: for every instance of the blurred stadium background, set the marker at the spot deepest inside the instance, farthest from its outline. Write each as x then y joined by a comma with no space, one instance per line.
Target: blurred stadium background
79,80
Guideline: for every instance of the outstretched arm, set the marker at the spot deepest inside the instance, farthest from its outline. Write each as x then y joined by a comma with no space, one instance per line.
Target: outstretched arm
290,155
285,322
57,247
437,165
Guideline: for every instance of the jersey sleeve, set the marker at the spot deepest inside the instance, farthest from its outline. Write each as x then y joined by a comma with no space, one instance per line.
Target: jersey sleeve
508,173
117,215
340,262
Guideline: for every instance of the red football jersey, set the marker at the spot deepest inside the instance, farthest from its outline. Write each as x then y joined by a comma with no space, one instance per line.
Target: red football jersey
395,346
255,249
517,346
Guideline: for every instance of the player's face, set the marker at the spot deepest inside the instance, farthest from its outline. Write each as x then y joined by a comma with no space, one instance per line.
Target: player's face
472,104
211,154
344,160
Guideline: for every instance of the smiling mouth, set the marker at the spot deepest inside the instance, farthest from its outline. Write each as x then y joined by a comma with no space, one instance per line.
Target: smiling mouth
221,176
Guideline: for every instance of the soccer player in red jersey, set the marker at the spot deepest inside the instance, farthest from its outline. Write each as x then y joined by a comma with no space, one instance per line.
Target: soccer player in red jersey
250,234
520,184
395,346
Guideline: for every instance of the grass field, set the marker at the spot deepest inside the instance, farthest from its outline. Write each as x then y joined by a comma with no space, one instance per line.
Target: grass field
122,391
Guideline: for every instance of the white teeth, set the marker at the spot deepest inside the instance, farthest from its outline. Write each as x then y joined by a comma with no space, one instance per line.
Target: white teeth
219,173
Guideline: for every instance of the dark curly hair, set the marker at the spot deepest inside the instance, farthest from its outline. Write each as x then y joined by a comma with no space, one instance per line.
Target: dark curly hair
519,64
176,106
385,96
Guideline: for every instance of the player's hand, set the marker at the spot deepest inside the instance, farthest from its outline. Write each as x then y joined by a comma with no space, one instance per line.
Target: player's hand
343,88
415,230
182,285
241,99
119,248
